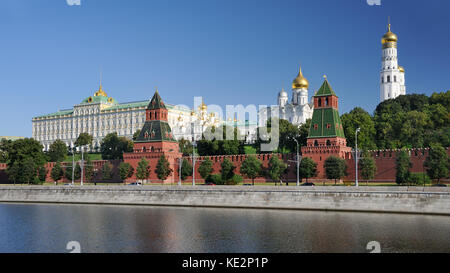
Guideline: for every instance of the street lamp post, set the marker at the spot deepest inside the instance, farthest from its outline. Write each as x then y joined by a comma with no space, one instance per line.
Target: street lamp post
298,163
73,163
356,156
82,165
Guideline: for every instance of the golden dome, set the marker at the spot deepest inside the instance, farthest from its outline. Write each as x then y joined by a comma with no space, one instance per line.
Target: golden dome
401,69
100,92
389,37
203,106
300,82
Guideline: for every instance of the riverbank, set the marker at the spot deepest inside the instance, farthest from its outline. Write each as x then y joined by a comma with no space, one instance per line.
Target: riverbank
416,200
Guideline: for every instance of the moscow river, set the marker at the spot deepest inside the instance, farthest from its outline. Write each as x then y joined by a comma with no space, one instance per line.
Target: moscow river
49,228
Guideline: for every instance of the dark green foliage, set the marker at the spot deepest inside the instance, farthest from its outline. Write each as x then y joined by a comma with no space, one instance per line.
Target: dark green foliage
57,151
185,147
419,179
367,167
224,140
68,172
413,121
205,168
359,118
303,132
136,134
236,179
25,156
215,179
77,172
163,169
107,171
42,173
251,168
437,163
5,146
143,169
88,170
57,172
307,168
335,168
227,171
186,169
84,139
402,166
276,169
125,170
113,146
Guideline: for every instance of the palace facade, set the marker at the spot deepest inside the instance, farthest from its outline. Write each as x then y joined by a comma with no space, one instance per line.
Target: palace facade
100,115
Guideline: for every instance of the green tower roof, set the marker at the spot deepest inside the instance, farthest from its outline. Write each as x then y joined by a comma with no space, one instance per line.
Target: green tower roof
156,102
155,131
326,121
325,90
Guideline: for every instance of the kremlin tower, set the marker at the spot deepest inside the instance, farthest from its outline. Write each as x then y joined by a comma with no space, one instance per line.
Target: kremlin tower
392,75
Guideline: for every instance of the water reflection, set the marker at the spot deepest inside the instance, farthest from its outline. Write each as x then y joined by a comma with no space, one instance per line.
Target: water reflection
48,228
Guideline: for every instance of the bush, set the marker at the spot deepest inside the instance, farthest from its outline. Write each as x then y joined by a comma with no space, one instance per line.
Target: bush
214,178
419,178
235,180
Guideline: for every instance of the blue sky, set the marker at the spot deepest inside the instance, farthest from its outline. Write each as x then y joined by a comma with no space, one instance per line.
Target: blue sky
228,51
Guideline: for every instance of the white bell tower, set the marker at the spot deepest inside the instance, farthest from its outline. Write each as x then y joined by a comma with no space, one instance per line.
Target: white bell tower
392,80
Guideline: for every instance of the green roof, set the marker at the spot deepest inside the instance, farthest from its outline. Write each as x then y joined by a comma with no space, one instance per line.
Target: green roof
155,131
325,90
99,99
156,102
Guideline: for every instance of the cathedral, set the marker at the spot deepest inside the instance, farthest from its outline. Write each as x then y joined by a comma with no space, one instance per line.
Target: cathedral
298,110
392,74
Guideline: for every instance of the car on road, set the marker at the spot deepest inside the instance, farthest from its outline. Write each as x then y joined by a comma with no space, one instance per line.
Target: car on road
135,184
439,185
308,184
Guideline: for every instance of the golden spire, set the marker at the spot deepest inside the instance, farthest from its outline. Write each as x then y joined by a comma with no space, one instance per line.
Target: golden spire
300,82
100,91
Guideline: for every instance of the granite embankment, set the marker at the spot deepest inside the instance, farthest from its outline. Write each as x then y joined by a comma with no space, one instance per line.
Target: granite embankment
367,199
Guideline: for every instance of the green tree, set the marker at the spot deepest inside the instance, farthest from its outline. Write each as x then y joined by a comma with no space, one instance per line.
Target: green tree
57,172
402,166
143,169
29,170
136,134
227,170
303,132
206,168
113,146
5,146
20,153
335,168
84,139
186,169
57,151
42,173
125,170
89,170
359,118
107,171
77,172
367,167
186,147
276,169
163,169
69,172
437,163
251,168
307,168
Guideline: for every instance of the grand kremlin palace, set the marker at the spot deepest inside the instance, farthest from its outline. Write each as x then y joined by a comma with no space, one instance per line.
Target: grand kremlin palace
100,115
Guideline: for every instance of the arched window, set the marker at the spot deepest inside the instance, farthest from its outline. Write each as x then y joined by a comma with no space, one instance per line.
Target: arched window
320,102
316,143
328,143
326,101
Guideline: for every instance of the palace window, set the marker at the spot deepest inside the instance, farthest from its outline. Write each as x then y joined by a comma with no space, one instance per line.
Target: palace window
388,78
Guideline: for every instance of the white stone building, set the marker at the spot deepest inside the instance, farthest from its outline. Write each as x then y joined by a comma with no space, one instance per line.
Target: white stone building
392,75
100,115
298,110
